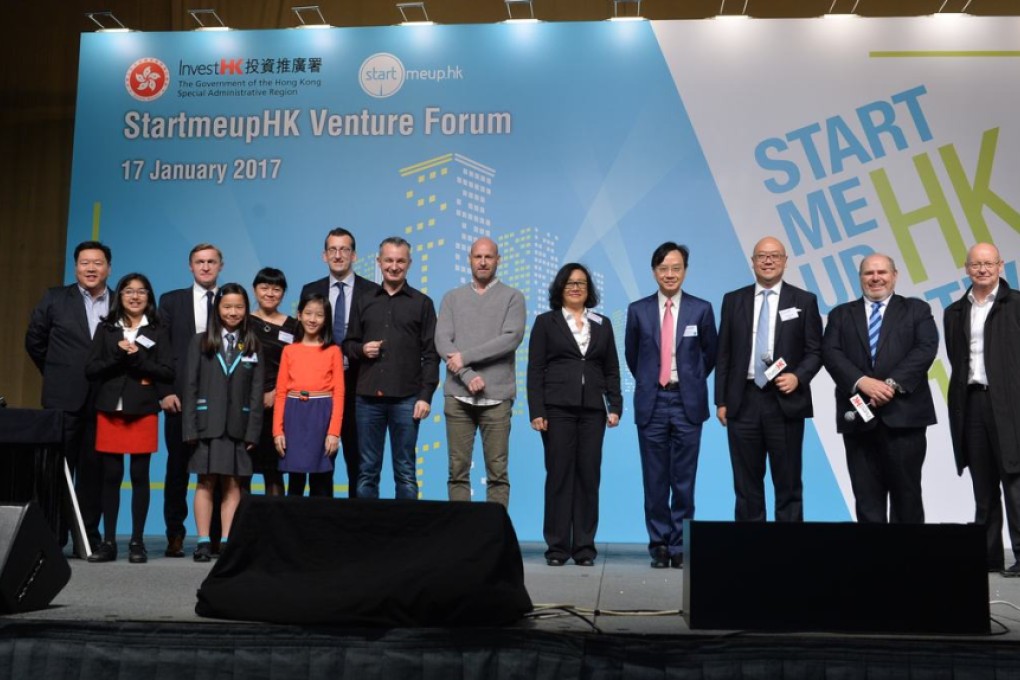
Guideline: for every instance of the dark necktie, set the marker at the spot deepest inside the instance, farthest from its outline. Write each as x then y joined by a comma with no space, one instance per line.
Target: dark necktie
208,307
340,314
231,347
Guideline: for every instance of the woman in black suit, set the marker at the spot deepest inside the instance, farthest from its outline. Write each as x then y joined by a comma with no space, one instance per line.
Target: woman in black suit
130,353
573,395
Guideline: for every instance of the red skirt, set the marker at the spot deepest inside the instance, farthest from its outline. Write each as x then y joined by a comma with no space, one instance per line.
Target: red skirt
116,433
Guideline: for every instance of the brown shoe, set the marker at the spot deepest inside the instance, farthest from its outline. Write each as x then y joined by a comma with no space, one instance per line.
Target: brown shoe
175,546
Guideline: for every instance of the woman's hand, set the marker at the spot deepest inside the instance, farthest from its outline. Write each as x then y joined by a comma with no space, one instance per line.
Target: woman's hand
613,419
332,444
280,442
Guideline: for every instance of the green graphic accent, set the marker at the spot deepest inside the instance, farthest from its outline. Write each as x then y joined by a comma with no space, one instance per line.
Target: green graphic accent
974,197
900,222
953,54
938,373
97,209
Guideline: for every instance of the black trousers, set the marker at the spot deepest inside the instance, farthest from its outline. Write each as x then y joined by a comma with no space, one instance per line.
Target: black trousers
349,440
573,469
760,432
85,466
885,473
984,458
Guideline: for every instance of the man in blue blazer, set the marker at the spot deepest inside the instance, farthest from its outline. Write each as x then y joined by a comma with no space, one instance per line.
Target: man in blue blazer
185,312
762,327
58,340
879,348
670,397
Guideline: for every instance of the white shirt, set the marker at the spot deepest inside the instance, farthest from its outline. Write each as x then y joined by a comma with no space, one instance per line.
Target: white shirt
582,335
201,306
95,308
673,375
773,315
130,334
978,315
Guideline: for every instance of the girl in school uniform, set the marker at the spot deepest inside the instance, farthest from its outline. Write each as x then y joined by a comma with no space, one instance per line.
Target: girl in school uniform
130,353
222,409
310,399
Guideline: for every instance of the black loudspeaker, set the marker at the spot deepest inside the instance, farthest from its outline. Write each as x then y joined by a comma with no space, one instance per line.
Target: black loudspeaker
32,567
368,563
874,578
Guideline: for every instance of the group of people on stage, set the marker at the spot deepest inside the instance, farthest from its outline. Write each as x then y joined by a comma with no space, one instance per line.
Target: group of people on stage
248,391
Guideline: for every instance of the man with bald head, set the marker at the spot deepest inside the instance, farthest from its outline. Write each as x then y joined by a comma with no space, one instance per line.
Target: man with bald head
878,350
480,326
770,347
984,397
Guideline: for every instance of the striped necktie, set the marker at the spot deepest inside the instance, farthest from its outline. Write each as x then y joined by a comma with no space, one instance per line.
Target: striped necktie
874,328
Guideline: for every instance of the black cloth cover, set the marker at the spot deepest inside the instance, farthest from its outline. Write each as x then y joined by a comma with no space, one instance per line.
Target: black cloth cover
368,563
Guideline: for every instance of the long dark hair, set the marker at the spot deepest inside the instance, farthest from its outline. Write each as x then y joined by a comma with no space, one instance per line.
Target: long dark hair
116,310
327,328
559,284
212,341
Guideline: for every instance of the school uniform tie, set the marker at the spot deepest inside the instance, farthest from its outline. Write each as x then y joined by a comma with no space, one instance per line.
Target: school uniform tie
761,341
231,348
666,345
340,314
874,328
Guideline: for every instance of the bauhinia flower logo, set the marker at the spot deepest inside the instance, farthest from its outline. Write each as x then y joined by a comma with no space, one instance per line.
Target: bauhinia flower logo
147,79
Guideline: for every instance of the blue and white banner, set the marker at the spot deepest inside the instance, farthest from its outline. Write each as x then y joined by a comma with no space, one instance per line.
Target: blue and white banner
568,141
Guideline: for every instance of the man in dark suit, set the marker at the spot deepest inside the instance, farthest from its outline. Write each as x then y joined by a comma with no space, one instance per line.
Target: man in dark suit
670,345
878,350
340,254
58,340
770,347
185,312
984,397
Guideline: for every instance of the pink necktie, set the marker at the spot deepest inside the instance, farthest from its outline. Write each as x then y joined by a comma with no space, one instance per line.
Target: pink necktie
666,345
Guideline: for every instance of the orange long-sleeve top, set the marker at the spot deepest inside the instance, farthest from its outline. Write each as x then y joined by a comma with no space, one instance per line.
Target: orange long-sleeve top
313,369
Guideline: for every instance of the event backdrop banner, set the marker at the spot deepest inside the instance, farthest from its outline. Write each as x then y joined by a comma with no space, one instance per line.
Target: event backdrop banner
590,142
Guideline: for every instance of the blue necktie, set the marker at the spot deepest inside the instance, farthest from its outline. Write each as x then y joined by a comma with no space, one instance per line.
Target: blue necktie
874,327
340,315
761,341
231,348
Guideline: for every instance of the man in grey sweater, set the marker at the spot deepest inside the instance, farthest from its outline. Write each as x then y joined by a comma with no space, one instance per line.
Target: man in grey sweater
480,326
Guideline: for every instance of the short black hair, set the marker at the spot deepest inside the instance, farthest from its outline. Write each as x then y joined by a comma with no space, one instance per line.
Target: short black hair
340,231
665,249
559,284
93,245
272,276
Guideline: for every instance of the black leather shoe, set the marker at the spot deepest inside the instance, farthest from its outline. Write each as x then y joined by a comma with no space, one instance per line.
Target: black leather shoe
175,546
137,554
677,561
203,553
554,562
585,562
660,558
106,552
1012,572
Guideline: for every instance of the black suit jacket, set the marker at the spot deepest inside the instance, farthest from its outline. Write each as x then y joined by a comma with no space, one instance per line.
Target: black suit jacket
177,315
798,341
559,375
215,404
907,345
58,341
362,288
130,378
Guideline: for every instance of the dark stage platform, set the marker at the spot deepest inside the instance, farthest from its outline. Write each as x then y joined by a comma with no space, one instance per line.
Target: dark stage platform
621,619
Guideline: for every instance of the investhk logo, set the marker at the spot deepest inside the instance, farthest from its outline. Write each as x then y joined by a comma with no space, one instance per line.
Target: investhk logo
381,75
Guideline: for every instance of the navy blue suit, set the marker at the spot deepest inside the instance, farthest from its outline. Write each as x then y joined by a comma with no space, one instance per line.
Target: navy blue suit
669,421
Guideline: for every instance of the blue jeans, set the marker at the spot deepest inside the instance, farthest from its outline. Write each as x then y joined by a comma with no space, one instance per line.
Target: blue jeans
376,415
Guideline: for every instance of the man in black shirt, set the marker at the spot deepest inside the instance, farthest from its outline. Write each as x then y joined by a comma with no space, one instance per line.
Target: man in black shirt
392,330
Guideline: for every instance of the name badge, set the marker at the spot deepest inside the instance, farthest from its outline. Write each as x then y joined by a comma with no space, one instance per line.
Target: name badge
252,359
691,331
775,369
789,313
862,408
286,338
145,342
595,317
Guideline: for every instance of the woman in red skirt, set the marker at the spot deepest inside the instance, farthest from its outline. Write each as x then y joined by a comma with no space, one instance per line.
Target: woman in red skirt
130,353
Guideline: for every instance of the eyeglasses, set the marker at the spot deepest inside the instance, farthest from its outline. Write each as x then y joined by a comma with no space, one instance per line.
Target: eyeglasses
667,269
580,285
342,250
134,292
765,257
978,266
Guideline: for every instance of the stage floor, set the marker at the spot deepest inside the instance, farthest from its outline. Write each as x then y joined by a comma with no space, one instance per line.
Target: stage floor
620,595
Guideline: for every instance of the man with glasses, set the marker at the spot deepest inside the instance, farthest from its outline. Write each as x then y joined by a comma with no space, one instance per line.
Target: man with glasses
58,340
770,347
670,345
878,350
345,289
984,397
